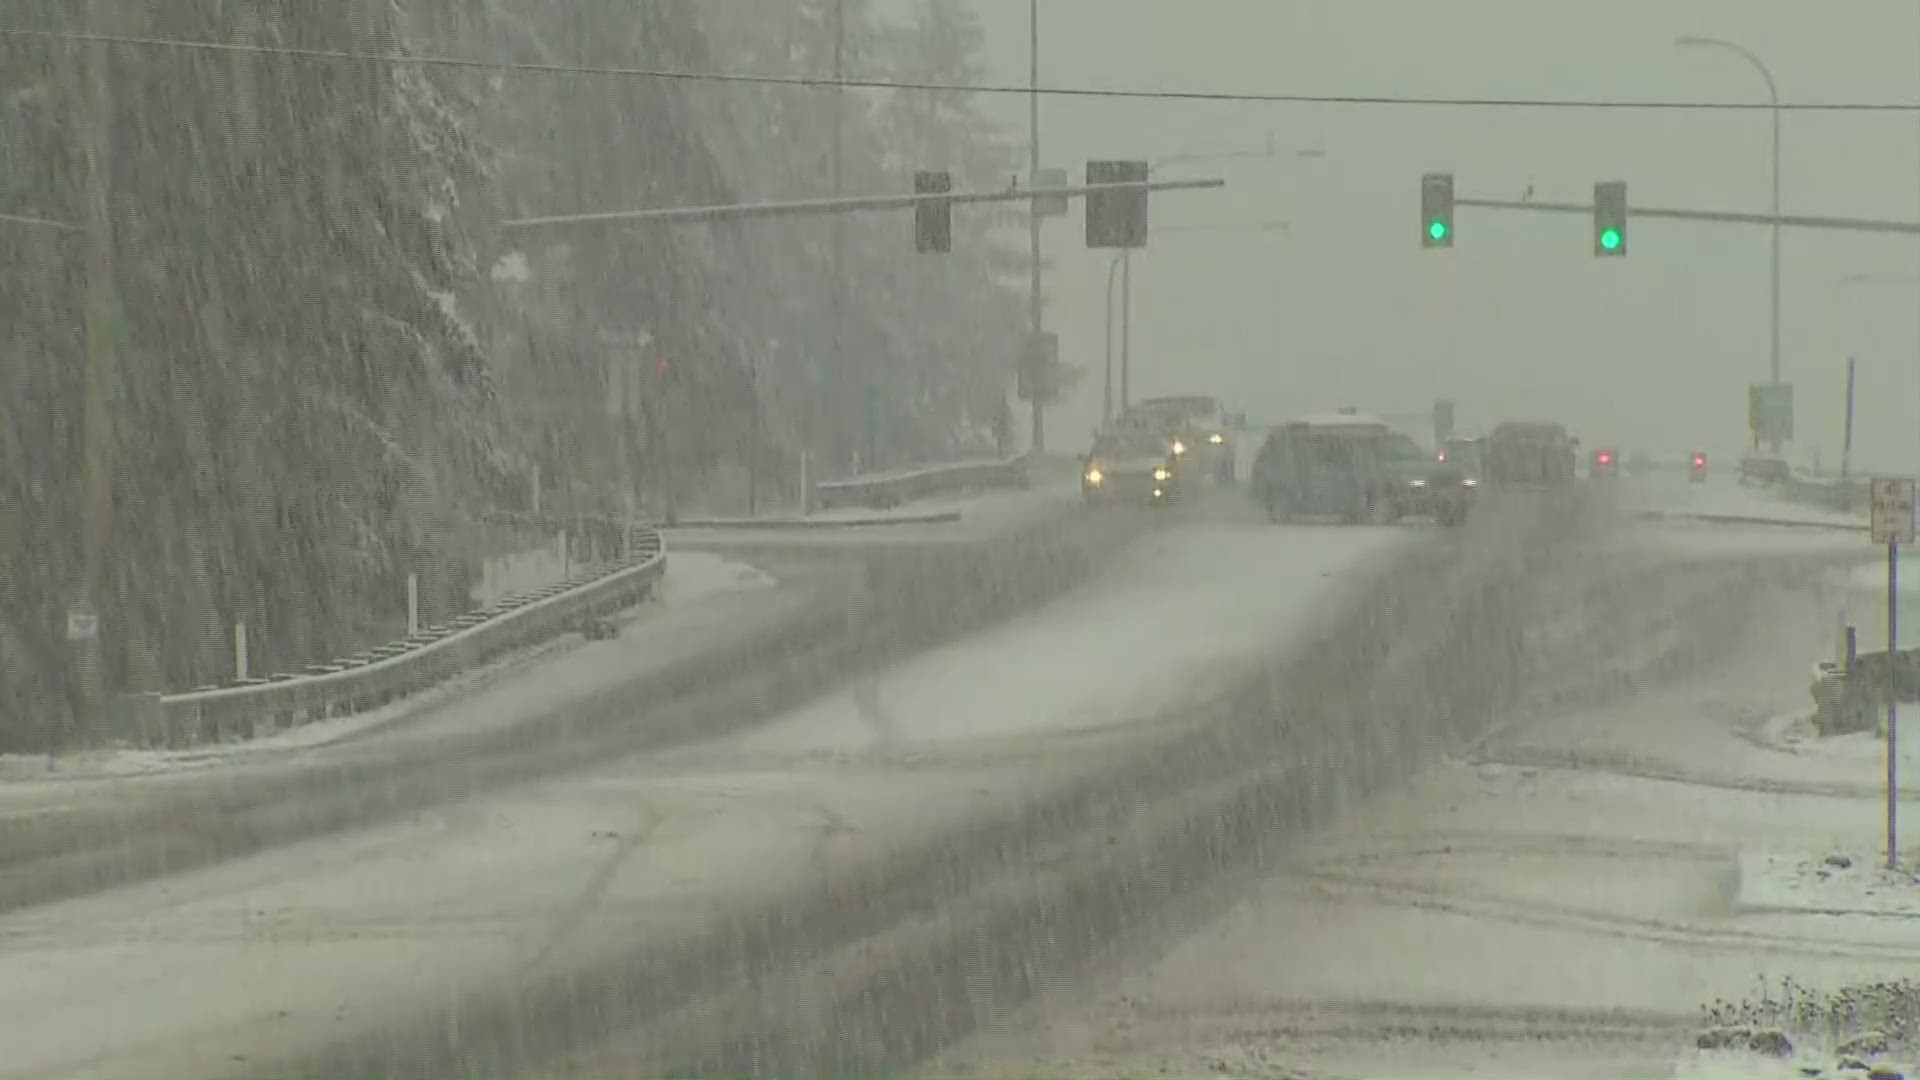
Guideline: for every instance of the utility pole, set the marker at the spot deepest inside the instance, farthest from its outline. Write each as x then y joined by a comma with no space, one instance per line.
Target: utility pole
754,434
1033,213
102,328
837,379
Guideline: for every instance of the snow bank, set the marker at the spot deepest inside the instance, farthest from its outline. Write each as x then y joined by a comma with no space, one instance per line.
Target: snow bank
1857,756
1836,883
1722,495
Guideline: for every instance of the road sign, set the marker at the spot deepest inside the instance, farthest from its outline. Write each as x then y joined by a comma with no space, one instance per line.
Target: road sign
1770,412
1039,373
1442,422
83,624
1117,219
1048,206
932,218
1892,510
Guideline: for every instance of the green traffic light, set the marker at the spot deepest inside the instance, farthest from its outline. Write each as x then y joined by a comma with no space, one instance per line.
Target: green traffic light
1610,238
1437,229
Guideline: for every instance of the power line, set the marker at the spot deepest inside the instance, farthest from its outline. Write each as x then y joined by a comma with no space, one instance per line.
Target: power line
811,82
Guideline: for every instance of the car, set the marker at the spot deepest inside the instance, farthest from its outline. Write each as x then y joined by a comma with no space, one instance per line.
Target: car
1530,453
1444,492
1198,426
1131,467
1340,465
1469,454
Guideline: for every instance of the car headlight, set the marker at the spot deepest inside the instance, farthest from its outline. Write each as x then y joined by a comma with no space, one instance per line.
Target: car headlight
1469,482
1161,474
1417,483
1217,439
1094,476
1179,447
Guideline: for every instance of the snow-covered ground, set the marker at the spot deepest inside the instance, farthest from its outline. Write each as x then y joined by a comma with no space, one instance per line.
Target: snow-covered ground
1564,903
1723,495
200,973
520,572
1838,882
703,599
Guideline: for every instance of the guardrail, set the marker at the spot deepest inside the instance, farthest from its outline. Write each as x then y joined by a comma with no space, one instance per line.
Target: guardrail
374,677
881,491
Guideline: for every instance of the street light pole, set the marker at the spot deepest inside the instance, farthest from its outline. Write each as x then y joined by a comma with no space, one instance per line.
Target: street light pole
1119,260
1773,96
1106,393
1126,254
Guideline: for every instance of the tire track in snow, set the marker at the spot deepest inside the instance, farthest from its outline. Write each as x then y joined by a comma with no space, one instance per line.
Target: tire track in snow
1545,915
1286,1019
563,924
1494,842
1617,763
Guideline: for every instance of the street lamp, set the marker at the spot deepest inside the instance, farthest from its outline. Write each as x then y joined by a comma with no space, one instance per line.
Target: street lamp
1773,96
1270,150
1114,264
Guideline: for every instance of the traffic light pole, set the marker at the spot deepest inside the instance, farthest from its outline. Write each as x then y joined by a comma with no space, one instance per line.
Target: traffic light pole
1035,300
682,215
1815,222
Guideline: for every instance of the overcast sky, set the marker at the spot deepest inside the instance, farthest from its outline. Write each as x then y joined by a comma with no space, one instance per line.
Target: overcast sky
1653,351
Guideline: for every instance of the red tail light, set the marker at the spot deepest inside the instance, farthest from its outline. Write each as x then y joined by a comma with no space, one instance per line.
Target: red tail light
1699,461
1604,458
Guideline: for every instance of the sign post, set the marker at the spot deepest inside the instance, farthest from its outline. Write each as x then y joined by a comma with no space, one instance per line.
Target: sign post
1893,525
1770,414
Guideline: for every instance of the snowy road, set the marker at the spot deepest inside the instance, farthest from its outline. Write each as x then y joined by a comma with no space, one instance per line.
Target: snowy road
698,671
1097,770
1559,902
204,973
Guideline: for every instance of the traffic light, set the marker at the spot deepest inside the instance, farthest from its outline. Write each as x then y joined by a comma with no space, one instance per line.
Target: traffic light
1436,210
1610,217
932,218
1117,219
